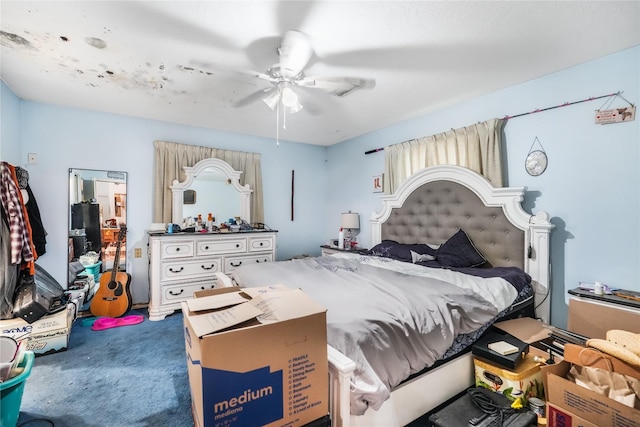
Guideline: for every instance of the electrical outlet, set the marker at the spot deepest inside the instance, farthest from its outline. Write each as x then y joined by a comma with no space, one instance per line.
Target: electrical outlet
32,158
137,252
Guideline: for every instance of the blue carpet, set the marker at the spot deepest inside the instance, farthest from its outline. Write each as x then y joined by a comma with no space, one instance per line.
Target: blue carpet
129,376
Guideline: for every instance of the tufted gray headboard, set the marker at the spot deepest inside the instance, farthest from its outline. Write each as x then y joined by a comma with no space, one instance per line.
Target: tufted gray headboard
434,211
431,205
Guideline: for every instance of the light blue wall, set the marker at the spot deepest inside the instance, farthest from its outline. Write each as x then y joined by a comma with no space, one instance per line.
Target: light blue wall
10,124
591,188
67,138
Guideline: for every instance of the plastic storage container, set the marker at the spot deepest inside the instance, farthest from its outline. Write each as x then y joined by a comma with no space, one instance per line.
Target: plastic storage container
94,270
11,392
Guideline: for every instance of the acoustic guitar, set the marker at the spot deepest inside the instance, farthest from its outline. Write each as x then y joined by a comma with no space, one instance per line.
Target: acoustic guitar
113,297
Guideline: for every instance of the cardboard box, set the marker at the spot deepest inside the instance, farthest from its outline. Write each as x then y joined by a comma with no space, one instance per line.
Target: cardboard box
525,381
48,334
593,318
558,417
584,403
242,371
586,356
525,328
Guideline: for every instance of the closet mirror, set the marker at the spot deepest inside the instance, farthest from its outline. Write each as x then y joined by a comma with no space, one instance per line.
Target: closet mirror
213,187
97,210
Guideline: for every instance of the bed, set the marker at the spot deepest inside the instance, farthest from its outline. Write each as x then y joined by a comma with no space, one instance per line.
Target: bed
437,311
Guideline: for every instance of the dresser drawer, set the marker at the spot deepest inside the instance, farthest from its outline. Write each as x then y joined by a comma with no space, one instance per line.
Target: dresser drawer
231,263
183,292
222,246
181,270
260,244
177,249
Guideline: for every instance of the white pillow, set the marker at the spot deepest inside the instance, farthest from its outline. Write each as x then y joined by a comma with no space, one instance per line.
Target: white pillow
416,257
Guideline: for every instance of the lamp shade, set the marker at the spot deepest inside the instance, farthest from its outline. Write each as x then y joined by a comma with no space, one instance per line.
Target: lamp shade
350,221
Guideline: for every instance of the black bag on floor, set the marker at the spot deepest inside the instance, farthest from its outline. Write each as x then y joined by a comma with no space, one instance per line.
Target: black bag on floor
37,296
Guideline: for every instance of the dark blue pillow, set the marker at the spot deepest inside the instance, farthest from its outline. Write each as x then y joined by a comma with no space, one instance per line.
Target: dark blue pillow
400,251
459,251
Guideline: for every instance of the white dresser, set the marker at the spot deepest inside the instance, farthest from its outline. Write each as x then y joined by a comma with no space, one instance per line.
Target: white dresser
183,263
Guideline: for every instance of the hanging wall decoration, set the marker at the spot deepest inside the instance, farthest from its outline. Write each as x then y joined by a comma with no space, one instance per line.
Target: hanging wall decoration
377,184
536,162
615,115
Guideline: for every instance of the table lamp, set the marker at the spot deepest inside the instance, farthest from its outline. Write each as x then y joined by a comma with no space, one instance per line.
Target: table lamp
349,222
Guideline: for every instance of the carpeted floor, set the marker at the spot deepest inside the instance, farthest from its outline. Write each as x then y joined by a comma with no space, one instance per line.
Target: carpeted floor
129,376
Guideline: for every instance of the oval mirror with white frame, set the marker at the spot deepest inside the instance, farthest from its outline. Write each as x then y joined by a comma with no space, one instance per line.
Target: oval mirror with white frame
213,188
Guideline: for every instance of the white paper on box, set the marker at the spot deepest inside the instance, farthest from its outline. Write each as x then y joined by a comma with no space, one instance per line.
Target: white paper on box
283,305
215,301
255,292
204,324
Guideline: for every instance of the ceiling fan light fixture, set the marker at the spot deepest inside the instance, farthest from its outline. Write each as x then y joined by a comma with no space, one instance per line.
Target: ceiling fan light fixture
272,99
289,98
295,108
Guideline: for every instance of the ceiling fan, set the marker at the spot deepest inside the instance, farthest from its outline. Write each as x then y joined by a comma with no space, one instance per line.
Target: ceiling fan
295,52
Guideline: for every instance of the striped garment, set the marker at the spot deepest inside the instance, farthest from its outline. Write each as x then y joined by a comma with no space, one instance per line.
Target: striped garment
21,250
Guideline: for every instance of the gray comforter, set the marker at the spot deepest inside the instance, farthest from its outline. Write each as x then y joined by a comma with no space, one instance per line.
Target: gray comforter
391,318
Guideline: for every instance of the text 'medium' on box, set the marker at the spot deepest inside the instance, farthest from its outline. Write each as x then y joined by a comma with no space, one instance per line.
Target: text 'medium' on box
256,357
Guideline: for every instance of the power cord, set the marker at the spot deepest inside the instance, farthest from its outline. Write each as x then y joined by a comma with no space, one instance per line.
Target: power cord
490,408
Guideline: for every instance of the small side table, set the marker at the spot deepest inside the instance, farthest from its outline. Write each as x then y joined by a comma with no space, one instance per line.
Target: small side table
329,250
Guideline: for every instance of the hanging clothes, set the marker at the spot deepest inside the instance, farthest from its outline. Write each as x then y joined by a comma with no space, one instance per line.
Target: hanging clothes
38,232
22,251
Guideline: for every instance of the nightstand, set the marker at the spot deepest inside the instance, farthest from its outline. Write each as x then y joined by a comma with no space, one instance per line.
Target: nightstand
329,250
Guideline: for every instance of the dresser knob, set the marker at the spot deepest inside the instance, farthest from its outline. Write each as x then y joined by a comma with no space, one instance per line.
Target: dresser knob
206,248
176,293
236,265
207,268
176,271
237,245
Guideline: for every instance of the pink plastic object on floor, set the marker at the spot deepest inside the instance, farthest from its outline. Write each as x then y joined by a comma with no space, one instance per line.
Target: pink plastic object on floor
113,322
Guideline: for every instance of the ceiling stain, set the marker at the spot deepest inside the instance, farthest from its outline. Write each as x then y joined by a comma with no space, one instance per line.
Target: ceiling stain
95,42
10,39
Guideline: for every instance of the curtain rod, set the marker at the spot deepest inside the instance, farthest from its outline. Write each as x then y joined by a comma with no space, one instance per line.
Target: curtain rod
593,98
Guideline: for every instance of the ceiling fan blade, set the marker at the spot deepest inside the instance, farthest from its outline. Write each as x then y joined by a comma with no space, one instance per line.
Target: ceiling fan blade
161,19
295,52
233,73
293,14
339,86
255,96
310,101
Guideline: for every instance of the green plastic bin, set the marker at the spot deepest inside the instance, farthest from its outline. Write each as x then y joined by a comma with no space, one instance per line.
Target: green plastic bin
11,392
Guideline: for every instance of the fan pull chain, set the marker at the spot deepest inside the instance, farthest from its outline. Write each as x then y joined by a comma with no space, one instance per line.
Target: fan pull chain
284,117
278,124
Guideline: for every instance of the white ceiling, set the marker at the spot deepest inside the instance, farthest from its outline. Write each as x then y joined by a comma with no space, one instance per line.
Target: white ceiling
137,58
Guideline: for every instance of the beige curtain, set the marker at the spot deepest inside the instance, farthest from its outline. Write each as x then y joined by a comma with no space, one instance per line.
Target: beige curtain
477,147
170,158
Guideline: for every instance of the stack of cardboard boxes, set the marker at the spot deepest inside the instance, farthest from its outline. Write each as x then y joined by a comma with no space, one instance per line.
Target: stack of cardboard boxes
569,404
